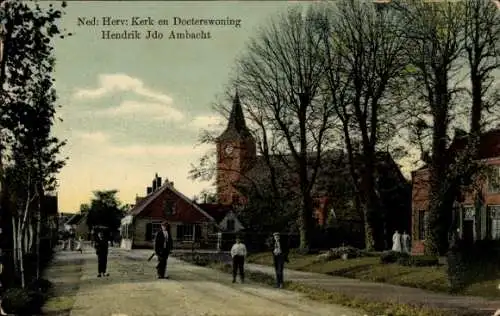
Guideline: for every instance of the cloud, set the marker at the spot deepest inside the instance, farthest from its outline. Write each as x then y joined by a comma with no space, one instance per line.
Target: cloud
94,137
111,83
156,111
206,121
157,150
104,146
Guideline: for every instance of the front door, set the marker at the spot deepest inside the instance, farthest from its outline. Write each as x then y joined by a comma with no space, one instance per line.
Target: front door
468,231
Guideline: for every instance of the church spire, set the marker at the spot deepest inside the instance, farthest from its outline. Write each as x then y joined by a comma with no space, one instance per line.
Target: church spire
236,126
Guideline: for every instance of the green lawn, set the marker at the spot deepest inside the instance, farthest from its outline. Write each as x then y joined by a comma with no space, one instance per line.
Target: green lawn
370,269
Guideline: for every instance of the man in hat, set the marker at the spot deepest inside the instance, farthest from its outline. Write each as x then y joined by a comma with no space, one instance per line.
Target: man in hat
280,256
101,249
163,246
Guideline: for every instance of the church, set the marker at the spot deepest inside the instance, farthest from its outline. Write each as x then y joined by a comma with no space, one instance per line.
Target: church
238,164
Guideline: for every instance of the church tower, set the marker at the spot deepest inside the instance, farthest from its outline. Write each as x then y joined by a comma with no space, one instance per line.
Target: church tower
236,151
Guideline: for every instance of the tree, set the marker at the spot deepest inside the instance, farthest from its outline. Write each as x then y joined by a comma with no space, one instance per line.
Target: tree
105,210
282,72
365,66
29,155
433,32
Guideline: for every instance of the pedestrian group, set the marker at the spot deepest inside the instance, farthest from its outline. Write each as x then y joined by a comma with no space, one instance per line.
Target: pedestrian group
163,245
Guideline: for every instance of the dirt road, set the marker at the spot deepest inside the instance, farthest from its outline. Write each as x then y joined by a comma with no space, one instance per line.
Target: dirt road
132,290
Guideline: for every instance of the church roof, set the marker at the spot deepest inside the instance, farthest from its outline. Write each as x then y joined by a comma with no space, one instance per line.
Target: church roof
236,126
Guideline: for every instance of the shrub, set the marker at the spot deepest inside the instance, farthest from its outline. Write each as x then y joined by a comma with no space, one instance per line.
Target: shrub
424,261
404,259
40,285
22,302
336,253
389,256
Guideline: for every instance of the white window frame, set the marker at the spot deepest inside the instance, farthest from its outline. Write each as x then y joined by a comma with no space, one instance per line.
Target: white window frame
495,172
494,217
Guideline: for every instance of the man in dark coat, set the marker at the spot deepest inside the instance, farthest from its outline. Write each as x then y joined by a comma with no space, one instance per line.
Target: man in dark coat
101,249
163,246
280,256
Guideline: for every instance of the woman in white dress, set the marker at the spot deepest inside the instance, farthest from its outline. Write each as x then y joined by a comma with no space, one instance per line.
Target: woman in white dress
405,240
396,242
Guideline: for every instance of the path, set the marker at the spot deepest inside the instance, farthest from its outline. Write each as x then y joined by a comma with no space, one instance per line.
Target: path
132,290
385,292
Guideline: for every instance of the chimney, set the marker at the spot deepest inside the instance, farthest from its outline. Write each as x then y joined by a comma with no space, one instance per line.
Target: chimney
154,185
158,182
149,190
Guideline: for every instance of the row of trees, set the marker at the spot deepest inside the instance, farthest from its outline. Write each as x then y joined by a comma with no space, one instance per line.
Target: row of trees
363,77
29,154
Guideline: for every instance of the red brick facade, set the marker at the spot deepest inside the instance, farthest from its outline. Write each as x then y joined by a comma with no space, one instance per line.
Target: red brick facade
155,207
479,220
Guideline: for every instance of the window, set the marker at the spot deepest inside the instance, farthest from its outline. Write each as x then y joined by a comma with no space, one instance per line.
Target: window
169,206
423,218
185,232
494,221
151,229
236,199
469,212
494,180
230,225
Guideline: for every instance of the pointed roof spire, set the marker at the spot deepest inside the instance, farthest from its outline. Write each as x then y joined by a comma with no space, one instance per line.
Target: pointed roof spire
236,126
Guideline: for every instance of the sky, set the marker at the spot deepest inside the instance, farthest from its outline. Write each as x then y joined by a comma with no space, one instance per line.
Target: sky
134,107
131,108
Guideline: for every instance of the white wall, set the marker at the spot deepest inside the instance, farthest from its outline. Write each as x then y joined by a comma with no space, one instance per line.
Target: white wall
237,224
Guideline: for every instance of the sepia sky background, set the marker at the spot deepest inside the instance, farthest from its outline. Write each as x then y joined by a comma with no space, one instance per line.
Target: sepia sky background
131,108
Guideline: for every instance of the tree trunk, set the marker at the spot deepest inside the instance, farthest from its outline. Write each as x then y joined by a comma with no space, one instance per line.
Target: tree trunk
15,253
305,226
436,241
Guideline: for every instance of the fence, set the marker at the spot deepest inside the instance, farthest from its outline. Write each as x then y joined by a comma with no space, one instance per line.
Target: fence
254,242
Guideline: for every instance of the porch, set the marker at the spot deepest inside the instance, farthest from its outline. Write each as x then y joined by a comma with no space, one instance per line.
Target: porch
140,232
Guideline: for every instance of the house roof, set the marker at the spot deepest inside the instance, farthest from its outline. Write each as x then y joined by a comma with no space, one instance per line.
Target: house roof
334,165
141,206
217,211
489,146
75,219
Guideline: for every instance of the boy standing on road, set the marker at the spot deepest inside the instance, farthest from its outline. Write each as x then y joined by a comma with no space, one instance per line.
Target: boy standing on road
238,253
280,256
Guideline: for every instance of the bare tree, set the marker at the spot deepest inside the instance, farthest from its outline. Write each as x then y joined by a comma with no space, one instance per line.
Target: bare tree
434,35
282,73
365,66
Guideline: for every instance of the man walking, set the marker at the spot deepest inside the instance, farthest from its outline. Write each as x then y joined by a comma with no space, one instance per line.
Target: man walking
101,248
238,253
280,256
163,246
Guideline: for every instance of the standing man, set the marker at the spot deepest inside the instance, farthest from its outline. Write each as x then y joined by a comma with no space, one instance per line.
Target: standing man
238,252
101,249
163,246
280,256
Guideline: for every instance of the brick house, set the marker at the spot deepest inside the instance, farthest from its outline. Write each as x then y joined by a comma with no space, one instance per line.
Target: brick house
189,223
238,165
478,213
